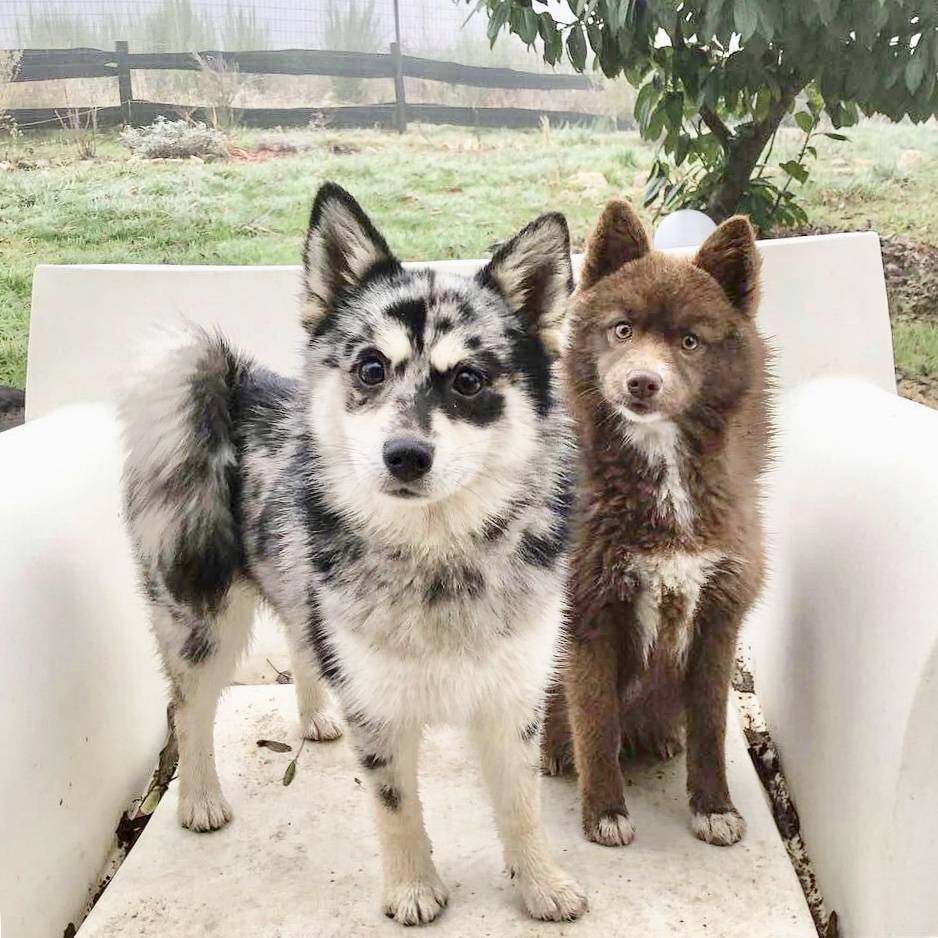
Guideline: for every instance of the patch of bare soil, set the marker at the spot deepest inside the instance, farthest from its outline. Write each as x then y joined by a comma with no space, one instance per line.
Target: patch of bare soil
911,269
765,758
262,152
12,407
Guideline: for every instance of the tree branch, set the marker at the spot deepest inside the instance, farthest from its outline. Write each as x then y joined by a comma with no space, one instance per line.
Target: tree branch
716,126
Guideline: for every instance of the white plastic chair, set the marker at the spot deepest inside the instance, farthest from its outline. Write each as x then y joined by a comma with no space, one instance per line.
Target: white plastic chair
845,643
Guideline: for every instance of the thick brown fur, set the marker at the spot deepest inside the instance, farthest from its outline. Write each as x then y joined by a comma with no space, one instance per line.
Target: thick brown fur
669,547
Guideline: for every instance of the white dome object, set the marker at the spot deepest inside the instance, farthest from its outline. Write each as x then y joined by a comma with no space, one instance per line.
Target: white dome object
685,228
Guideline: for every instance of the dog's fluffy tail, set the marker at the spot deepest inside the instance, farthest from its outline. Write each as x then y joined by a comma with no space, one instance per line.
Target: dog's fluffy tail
181,472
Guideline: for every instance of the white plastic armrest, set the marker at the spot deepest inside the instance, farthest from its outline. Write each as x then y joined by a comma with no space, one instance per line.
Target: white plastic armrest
82,702
845,646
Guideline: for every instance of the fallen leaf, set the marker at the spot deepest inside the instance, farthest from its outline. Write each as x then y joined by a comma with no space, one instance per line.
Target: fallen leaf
274,745
151,801
290,773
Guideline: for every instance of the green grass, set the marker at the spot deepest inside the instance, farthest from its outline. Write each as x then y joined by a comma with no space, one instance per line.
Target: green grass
916,347
435,192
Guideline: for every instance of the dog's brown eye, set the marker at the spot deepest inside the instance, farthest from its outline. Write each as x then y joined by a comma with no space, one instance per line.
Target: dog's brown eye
371,371
689,342
468,382
622,331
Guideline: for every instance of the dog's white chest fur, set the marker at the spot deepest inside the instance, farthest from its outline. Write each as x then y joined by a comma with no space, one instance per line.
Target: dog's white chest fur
659,443
402,663
670,585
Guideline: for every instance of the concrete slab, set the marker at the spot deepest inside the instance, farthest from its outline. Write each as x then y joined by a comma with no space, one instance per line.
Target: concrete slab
302,861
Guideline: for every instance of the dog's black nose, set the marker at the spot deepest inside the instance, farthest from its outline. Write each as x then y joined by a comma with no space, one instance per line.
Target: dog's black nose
644,384
408,458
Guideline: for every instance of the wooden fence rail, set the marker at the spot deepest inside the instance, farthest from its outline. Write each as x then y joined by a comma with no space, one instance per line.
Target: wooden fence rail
47,64
53,64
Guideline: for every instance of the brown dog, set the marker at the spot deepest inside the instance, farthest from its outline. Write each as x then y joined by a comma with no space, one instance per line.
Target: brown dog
667,380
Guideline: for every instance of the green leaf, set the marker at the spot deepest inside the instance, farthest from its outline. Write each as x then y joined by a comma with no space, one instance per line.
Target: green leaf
497,20
674,109
760,108
746,18
576,47
553,43
648,94
652,189
795,169
595,35
914,72
828,10
528,27
681,150
152,800
833,136
805,121
609,59
546,26
767,19
290,773
623,9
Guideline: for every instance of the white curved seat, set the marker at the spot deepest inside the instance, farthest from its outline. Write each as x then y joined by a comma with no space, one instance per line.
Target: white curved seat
848,693
845,646
82,700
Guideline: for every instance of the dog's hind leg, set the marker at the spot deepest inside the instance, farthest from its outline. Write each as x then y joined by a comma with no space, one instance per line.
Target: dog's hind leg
652,711
201,653
556,740
508,753
318,720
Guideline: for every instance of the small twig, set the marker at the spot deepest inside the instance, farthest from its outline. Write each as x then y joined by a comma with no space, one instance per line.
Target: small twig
804,149
283,677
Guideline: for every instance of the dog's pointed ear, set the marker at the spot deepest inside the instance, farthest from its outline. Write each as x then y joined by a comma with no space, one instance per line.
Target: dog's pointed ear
618,238
731,257
534,273
342,246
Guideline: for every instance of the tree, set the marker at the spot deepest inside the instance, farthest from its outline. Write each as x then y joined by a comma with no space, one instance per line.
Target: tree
717,77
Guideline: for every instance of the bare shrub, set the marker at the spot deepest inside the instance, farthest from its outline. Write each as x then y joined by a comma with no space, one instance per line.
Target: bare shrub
81,130
9,66
219,83
180,139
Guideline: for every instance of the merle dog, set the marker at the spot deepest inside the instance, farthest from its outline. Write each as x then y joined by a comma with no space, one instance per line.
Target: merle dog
402,505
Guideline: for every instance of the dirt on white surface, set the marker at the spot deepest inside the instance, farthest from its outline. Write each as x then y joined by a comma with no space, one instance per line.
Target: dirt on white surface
303,860
765,758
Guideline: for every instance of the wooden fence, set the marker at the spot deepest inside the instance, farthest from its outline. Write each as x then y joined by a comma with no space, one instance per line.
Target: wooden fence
56,64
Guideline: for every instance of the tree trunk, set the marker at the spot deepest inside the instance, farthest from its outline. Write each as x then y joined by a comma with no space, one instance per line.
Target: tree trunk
741,152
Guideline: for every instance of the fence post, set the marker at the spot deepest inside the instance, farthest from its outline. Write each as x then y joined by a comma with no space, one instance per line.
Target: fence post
400,120
124,84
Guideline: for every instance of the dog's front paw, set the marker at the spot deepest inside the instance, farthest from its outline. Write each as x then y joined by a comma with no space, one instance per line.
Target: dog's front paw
206,811
553,897
415,902
611,829
321,727
721,830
